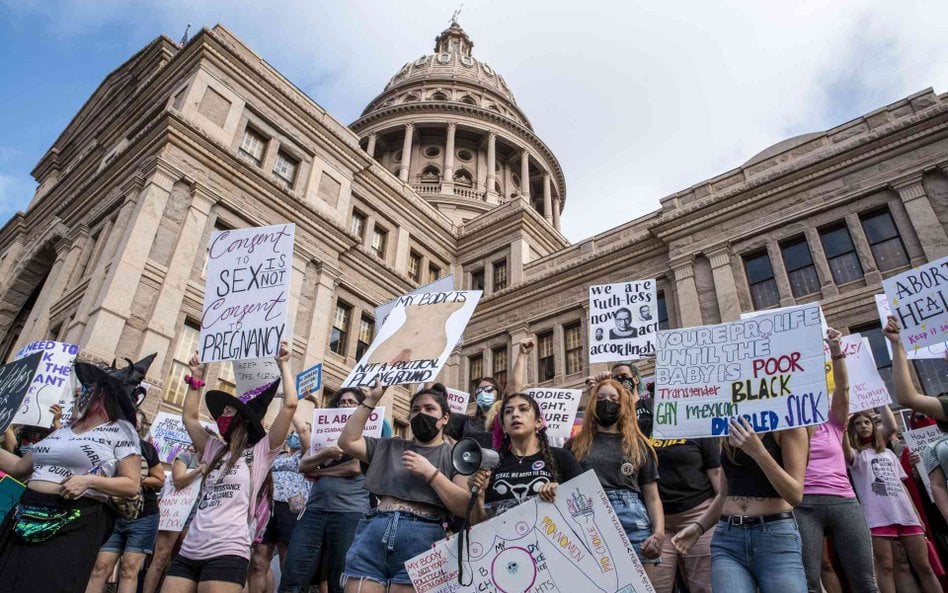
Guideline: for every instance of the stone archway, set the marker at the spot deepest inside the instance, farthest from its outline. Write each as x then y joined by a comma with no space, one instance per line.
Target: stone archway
20,294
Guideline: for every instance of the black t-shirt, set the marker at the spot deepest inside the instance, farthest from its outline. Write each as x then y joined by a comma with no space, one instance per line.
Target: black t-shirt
612,468
682,467
643,413
463,426
516,480
149,496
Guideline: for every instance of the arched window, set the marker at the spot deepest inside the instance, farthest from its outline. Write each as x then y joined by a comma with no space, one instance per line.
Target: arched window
469,100
430,174
439,96
411,98
464,177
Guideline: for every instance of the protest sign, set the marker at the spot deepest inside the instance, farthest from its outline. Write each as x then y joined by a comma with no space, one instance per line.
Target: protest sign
252,374
246,293
175,505
918,440
329,422
934,351
559,409
457,400
169,436
623,319
919,300
768,369
573,544
309,381
445,284
10,491
16,379
416,341
50,383
866,387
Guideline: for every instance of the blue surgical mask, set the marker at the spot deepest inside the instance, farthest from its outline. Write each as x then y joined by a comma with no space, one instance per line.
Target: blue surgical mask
293,441
485,397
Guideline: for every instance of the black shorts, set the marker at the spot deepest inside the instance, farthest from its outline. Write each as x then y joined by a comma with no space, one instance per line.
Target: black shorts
281,524
231,569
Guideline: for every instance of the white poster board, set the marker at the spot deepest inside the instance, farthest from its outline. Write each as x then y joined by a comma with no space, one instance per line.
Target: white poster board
246,293
445,284
573,545
866,387
917,440
175,505
416,341
919,300
458,400
935,351
329,422
51,384
252,374
768,368
559,409
169,436
623,319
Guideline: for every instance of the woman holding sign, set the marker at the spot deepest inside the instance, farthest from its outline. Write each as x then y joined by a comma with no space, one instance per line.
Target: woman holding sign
417,488
216,552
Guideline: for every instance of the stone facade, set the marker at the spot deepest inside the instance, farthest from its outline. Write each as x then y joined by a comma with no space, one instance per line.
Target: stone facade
430,180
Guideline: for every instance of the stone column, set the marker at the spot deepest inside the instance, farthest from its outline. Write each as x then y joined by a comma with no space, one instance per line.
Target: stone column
373,138
556,213
447,178
780,274
525,175
930,232
547,199
317,338
863,251
38,322
724,286
827,286
10,259
519,257
406,152
491,164
402,248
687,291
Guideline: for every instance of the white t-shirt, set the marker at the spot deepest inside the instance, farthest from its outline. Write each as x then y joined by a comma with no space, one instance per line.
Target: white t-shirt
878,481
64,453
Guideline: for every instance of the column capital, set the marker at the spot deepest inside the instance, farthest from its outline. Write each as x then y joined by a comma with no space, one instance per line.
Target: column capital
719,256
327,269
909,187
409,126
78,232
491,134
452,125
684,268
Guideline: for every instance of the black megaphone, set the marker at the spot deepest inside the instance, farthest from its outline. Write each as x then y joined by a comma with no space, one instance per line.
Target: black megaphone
468,457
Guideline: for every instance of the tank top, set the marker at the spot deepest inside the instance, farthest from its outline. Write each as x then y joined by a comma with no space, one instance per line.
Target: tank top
744,476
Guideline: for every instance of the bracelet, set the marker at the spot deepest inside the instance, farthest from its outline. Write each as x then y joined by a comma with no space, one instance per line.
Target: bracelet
839,356
367,406
433,476
193,382
701,527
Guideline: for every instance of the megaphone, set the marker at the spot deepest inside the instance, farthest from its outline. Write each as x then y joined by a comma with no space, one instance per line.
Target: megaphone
468,457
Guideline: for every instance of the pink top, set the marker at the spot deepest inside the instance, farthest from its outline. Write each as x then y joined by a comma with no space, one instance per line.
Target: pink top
222,523
826,470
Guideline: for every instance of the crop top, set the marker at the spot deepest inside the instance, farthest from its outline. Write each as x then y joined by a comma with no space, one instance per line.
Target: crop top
744,476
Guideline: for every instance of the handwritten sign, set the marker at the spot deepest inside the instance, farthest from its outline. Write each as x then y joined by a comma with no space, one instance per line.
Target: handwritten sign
768,369
457,400
919,300
559,409
935,351
245,298
918,440
175,505
50,383
309,381
169,436
623,319
866,387
16,379
329,422
252,374
416,340
573,544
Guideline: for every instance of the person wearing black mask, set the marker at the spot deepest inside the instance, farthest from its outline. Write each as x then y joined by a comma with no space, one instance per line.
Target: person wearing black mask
417,489
628,375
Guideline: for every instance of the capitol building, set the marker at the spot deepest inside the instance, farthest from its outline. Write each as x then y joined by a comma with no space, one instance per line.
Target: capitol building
442,174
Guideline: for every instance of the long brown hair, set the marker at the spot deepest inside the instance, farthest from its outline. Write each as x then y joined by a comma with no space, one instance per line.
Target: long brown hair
876,438
505,447
635,447
237,440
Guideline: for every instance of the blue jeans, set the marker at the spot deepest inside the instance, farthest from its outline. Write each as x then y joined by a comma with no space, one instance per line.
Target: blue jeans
761,556
634,518
137,535
384,541
317,533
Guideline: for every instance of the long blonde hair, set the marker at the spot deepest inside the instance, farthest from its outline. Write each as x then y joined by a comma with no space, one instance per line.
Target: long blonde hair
635,447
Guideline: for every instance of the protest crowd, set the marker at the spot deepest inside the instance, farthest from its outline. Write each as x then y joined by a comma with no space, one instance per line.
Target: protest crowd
819,498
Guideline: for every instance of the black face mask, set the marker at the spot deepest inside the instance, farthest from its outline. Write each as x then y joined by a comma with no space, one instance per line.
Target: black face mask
424,427
607,412
628,384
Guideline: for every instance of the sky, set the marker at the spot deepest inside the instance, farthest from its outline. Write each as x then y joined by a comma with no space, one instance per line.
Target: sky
638,100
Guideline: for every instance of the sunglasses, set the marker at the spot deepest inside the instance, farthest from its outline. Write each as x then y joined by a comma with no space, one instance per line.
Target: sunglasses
485,389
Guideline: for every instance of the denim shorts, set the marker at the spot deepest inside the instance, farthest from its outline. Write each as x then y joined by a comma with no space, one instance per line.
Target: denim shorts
633,516
133,536
384,541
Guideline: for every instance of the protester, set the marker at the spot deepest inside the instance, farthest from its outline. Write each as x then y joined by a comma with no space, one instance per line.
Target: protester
417,487
336,503
528,467
216,550
629,376
49,540
611,444
20,440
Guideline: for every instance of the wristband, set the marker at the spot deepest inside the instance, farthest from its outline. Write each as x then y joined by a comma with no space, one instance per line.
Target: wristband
193,382
839,356
432,476
701,527
367,406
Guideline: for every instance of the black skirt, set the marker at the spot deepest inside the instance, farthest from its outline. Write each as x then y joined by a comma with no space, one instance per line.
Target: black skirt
61,564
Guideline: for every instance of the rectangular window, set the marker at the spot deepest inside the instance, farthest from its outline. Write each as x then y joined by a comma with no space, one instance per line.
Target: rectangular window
880,351
841,254
188,338
366,333
477,279
379,239
573,338
414,266
252,146
226,381
546,368
760,277
340,329
800,268
475,370
500,274
662,311
499,365
434,272
285,167
884,241
357,224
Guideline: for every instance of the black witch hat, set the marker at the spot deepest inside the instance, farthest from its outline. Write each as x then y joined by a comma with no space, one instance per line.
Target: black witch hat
251,405
118,383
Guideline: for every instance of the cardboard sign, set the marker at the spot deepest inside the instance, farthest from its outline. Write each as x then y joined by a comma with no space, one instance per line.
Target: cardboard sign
169,436
559,409
768,368
51,383
253,374
245,297
416,341
309,381
919,300
458,400
572,545
329,422
445,284
935,351
623,319
866,387
917,441
16,379
175,505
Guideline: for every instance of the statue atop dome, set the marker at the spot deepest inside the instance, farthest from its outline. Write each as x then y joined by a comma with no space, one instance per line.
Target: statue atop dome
454,40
